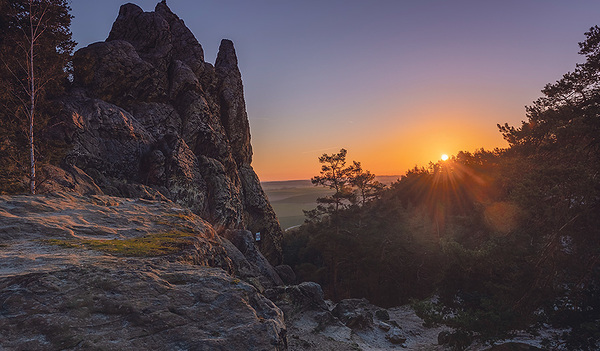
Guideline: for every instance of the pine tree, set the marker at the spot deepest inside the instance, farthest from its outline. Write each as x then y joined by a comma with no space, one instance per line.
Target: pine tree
336,176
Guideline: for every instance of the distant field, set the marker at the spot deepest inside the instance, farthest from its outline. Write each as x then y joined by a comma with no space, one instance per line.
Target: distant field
290,197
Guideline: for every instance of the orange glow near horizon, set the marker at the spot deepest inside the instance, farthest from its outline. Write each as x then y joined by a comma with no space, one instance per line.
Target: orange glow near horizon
395,90
390,155
389,141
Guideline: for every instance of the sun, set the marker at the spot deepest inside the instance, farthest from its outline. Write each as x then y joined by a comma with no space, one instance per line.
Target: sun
444,157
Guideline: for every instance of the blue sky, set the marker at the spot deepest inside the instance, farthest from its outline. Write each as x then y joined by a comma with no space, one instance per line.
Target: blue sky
397,83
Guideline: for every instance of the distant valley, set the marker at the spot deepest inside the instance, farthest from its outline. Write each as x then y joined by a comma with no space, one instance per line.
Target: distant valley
290,197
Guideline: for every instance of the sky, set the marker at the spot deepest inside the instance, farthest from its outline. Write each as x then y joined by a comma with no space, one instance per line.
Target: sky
397,83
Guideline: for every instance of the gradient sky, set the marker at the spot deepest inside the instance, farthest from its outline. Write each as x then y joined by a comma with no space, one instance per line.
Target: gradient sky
397,83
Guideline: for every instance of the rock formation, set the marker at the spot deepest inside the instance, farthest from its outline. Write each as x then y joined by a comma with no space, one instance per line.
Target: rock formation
148,117
93,272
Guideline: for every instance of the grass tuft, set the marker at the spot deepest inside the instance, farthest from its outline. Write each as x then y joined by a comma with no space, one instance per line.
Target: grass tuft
151,245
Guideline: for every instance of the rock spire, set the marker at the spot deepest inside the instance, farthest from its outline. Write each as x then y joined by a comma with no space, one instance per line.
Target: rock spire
148,117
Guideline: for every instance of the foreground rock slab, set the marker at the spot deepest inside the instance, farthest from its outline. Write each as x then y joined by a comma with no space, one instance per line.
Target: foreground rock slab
63,287
136,305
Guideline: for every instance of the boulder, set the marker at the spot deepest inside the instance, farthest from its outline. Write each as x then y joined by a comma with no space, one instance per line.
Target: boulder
104,137
444,337
354,313
67,178
109,305
382,315
396,336
286,273
295,299
258,265
457,339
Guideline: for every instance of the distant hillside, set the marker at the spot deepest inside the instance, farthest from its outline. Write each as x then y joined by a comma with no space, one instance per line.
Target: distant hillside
290,197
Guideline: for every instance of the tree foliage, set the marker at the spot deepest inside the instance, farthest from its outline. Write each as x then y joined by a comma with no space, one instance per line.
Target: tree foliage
351,184
506,239
559,150
35,53
367,188
336,222
336,176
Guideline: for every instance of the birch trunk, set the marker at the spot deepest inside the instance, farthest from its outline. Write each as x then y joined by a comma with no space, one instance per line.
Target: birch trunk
32,110
32,93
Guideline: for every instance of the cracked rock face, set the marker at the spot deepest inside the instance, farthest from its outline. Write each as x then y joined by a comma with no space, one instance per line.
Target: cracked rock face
148,117
103,306
60,292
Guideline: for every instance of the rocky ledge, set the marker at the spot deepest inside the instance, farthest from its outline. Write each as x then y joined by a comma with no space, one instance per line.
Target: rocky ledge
110,273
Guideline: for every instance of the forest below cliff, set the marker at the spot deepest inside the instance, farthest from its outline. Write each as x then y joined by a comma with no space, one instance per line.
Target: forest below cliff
503,239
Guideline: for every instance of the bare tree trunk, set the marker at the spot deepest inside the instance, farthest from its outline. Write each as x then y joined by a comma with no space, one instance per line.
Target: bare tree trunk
32,110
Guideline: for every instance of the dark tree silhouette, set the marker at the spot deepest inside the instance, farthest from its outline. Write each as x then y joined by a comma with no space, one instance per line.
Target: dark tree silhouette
36,48
367,188
336,176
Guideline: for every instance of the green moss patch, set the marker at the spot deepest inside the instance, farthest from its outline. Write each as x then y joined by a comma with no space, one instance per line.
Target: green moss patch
147,246
63,243
182,221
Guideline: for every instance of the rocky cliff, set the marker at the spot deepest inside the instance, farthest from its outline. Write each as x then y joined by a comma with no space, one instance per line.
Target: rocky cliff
148,117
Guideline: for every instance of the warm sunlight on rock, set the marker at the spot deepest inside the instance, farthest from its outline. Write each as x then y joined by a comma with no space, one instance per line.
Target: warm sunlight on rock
444,157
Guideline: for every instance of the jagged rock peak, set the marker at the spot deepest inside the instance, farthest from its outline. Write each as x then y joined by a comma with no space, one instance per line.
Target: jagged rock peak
164,10
129,10
231,94
158,36
226,58
189,137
